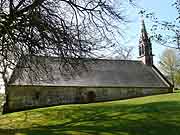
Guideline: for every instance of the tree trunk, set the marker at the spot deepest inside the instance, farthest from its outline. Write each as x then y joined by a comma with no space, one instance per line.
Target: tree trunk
5,106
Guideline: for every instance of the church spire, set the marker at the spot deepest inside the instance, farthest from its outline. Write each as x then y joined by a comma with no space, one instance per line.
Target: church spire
144,33
145,47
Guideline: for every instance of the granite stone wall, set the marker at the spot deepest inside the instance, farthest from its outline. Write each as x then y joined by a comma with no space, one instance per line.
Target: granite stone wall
26,97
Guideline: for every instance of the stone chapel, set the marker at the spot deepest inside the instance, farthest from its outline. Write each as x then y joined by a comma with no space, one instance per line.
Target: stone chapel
101,80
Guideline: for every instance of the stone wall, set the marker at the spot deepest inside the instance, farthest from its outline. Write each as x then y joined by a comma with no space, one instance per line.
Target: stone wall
26,97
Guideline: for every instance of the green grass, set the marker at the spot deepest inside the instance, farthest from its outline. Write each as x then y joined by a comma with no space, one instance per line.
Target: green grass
153,115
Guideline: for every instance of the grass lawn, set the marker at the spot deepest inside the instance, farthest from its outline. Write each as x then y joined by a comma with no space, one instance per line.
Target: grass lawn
153,115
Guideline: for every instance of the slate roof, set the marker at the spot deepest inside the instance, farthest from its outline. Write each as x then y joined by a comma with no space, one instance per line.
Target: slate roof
94,72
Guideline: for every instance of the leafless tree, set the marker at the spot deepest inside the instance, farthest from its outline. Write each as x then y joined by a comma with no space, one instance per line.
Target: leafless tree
60,28
123,53
65,28
165,32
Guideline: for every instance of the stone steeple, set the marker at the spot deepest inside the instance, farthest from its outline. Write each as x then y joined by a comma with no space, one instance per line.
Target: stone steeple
145,46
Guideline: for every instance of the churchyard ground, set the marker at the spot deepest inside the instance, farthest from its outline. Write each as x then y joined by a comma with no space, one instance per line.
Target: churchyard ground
152,115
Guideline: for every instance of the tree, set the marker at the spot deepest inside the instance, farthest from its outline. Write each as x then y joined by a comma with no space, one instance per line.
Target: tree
61,28
119,53
177,78
169,63
123,53
166,33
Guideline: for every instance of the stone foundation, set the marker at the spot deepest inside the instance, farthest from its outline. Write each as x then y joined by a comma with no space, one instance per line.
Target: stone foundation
26,97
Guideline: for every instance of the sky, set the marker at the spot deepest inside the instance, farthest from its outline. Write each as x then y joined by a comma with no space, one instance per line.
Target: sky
163,10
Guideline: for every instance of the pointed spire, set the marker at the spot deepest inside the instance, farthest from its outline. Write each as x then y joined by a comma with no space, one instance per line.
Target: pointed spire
143,24
145,47
144,34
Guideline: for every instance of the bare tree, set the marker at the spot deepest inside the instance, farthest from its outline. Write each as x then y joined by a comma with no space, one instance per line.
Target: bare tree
123,53
62,28
166,33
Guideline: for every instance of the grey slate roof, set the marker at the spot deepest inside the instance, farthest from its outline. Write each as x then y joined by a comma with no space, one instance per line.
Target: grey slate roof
96,72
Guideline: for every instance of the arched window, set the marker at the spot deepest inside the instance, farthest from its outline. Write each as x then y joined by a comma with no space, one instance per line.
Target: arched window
140,51
91,96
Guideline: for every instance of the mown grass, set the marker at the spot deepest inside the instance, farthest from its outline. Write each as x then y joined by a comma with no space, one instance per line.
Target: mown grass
153,115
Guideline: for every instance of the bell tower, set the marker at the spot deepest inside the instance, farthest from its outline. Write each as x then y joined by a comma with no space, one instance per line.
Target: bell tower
145,46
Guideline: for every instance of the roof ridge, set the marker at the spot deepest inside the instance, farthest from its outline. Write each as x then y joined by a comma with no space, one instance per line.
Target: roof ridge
91,58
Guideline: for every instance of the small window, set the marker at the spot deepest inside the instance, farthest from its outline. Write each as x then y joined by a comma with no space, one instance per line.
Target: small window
37,95
140,51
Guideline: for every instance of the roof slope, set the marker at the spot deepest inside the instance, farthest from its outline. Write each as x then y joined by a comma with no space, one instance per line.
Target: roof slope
96,72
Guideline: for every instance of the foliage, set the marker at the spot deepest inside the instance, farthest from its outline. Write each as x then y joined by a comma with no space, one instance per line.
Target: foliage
177,78
141,116
170,65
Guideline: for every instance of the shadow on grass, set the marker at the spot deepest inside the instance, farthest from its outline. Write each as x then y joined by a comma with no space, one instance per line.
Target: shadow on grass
157,118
